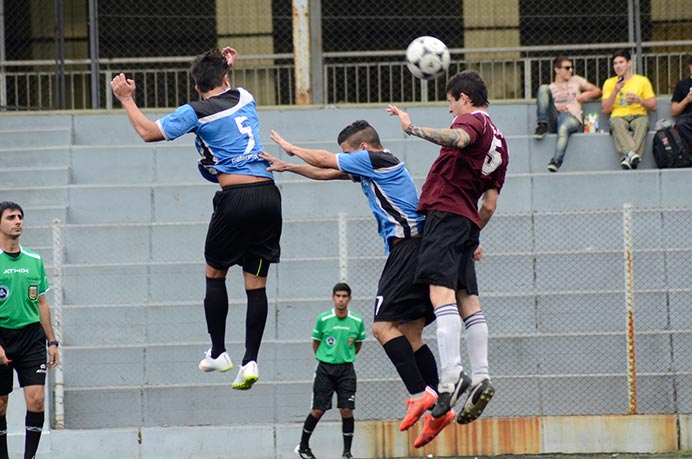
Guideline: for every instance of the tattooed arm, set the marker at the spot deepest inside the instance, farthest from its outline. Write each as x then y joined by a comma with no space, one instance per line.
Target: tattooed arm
446,137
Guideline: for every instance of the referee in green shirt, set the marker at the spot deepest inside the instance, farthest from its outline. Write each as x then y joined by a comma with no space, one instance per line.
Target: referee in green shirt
337,337
25,328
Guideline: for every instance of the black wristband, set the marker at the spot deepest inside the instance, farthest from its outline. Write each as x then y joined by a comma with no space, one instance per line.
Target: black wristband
409,129
53,343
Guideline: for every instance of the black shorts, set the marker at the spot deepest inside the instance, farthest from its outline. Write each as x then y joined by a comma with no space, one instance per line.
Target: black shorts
26,347
330,378
398,298
245,228
446,252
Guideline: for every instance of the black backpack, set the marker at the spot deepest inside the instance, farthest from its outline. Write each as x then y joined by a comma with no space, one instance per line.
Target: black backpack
669,149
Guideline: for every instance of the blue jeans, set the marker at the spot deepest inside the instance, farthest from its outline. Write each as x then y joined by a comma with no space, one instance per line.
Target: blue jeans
562,123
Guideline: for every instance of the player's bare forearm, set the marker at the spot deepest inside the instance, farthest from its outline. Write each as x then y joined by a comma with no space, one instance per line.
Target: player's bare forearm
318,158
316,173
488,206
147,129
306,170
457,138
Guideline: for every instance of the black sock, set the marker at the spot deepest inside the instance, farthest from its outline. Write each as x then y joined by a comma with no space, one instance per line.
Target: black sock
255,320
34,426
3,438
400,353
347,429
427,365
308,427
216,311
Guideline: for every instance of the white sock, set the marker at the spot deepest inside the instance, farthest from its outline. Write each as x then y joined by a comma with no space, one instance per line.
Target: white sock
448,338
477,346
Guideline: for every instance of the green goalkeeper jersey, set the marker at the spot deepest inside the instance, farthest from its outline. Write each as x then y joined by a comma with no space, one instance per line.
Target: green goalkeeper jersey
338,337
22,281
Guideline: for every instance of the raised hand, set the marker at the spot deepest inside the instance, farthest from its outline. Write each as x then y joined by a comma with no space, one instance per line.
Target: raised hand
123,88
286,146
230,54
275,164
404,118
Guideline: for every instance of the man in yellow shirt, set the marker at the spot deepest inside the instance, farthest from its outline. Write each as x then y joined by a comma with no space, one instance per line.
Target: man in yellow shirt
628,98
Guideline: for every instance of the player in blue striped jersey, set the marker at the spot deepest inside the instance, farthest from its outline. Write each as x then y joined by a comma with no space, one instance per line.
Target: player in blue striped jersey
402,309
245,227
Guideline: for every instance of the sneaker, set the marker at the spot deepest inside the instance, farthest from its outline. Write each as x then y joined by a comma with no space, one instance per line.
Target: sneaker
418,406
304,453
347,455
478,399
221,363
449,395
247,376
432,427
625,163
553,167
541,131
634,161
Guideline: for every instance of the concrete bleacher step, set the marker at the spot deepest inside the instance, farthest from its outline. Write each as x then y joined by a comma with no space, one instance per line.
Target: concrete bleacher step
35,175
35,196
25,130
44,156
35,137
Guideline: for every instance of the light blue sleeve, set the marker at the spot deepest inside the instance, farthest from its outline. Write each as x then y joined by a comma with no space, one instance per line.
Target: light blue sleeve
357,163
178,123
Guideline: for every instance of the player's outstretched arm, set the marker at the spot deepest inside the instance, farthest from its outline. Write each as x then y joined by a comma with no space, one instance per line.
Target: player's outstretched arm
457,138
124,89
306,170
317,158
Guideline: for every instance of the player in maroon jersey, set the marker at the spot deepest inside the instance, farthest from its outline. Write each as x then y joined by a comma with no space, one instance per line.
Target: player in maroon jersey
471,166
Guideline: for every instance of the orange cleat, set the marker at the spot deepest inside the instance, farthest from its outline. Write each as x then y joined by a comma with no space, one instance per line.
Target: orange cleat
432,427
418,406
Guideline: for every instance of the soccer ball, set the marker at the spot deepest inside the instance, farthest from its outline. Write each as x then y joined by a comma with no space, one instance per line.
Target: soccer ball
427,58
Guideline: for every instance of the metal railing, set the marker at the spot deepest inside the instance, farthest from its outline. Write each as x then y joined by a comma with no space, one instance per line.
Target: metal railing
366,77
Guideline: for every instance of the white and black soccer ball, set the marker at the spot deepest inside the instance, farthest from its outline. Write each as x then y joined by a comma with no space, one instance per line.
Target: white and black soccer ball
427,58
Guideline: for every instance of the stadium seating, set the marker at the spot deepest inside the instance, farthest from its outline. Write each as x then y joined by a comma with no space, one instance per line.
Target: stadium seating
136,215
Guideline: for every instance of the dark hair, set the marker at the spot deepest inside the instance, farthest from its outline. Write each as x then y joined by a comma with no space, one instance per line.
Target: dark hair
557,62
357,132
689,62
9,205
208,70
470,83
341,287
622,53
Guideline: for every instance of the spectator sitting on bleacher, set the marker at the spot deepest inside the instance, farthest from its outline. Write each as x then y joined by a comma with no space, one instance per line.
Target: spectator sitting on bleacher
558,106
628,98
681,107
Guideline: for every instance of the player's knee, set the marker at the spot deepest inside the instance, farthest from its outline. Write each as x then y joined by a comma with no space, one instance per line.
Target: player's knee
384,331
317,414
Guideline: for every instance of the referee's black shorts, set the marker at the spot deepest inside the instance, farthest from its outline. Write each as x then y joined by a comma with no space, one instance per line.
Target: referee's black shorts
398,298
26,347
245,228
446,252
330,378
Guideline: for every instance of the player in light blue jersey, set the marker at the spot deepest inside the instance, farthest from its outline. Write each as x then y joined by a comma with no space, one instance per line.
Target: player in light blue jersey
245,227
402,309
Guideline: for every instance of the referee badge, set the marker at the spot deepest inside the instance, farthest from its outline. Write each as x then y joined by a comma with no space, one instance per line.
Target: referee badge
4,292
33,292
